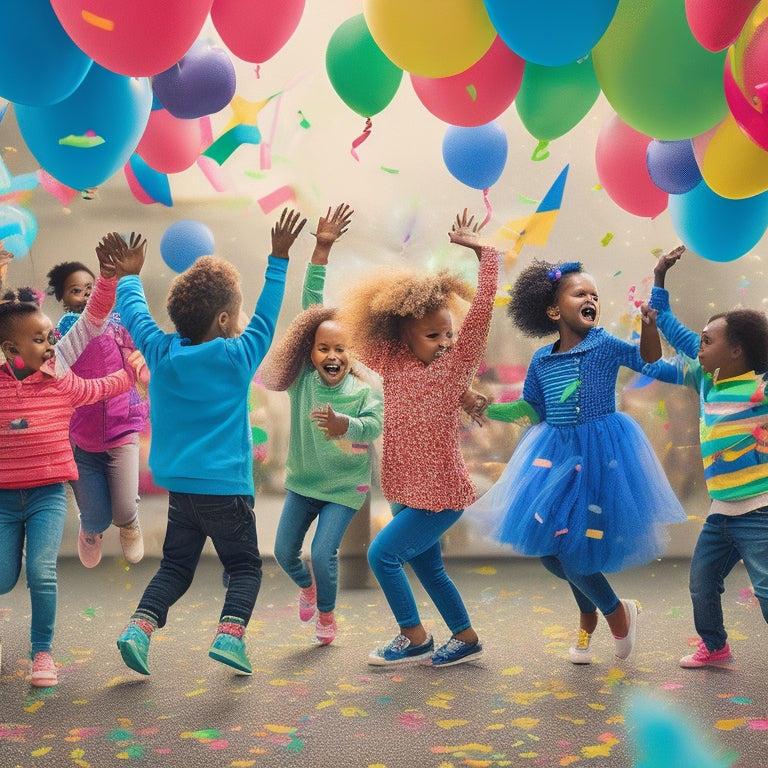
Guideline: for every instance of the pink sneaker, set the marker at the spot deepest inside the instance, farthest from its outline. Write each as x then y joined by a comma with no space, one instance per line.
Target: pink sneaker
325,628
43,671
307,603
703,657
89,548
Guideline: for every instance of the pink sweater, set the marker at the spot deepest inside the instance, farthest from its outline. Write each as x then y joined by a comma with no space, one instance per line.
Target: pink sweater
422,465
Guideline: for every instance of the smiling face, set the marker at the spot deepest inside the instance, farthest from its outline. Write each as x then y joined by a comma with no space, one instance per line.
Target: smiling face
576,308
32,338
430,337
77,290
329,353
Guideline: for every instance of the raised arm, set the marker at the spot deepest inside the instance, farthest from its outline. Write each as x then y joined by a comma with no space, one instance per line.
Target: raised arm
329,229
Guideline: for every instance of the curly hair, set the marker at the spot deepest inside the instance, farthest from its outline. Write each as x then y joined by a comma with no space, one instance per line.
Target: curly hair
747,328
15,304
59,274
534,291
374,311
196,296
291,354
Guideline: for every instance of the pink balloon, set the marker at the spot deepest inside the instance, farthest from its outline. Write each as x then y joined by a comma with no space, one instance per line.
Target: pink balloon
255,30
620,159
137,38
716,24
170,144
477,95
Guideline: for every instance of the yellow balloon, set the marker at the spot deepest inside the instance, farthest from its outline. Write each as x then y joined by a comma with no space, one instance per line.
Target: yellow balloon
733,165
431,38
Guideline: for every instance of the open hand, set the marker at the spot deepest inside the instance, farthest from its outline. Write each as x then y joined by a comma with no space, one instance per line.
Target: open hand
467,233
328,421
665,262
124,258
285,232
331,227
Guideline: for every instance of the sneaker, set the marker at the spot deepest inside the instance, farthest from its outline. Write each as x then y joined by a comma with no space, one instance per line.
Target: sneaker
703,657
43,671
134,648
132,542
400,651
307,603
89,548
624,645
456,652
580,652
230,650
326,633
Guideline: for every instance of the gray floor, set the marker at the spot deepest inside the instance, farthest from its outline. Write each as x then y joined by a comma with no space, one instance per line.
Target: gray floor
522,704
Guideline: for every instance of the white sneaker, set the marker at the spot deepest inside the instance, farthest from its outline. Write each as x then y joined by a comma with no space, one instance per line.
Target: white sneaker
580,652
625,645
132,542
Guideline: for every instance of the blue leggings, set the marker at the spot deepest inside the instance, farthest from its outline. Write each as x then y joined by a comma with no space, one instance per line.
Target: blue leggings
592,591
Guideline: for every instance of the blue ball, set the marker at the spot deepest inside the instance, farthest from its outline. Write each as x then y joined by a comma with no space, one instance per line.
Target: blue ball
184,242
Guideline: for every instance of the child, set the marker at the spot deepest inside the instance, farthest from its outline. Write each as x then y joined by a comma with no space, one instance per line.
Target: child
37,399
583,489
201,449
728,366
334,418
105,435
401,325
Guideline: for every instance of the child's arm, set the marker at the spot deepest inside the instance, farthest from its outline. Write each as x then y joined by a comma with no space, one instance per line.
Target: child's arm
650,342
329,229
363,428
512,411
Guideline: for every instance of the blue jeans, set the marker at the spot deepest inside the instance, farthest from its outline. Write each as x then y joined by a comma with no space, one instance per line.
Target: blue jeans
37,515
107,490
413,536
723,541
192,518
332,521
592,591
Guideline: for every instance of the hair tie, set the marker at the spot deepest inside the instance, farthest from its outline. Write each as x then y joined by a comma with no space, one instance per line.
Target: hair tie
554,274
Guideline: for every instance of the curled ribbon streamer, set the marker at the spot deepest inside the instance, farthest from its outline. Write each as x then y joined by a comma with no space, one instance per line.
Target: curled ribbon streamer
361,138
488,208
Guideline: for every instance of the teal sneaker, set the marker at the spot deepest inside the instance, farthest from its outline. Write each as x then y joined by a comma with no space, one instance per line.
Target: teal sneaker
456,652
230,650
134,648
400,651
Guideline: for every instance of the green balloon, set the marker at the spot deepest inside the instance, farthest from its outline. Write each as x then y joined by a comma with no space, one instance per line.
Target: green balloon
654,73
552,100
364,78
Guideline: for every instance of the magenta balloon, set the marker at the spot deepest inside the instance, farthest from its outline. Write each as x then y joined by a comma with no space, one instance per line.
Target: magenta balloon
620,160
169,144
255,30
477,95
716,24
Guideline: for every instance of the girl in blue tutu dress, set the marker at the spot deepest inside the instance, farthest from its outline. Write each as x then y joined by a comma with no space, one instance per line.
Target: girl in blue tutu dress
583,490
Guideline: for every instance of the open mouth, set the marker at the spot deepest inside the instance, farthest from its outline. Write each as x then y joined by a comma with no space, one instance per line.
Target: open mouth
589,313
332,369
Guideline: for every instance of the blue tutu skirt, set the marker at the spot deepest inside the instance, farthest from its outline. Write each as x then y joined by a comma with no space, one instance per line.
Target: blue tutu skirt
594,495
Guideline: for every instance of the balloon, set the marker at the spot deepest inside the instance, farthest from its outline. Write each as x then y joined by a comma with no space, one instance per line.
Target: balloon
621,167
170,145
255,30
106,106
672,165
654,73
41,64
18,229
552,100
184,242
431,38
551,32
475,156
138,38
364,78
715,24
716,228
477,95
202,82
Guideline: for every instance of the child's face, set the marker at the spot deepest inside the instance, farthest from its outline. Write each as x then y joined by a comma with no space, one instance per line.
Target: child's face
715,351
431,336
77,290
329,353
32,339
576,303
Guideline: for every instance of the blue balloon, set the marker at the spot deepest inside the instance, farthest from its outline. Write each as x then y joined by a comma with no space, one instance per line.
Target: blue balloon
717,228
476,156
41,64
672,165
184,242
63,136
551,32
18,229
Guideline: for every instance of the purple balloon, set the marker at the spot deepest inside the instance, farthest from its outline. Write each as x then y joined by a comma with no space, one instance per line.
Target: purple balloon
672,166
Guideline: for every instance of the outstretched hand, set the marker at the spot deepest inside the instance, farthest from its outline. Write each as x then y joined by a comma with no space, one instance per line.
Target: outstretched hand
331,227
285,232
665,262
328,421
467,233
118,258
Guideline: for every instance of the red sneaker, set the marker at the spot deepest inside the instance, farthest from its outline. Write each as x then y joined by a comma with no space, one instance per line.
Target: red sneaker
705,658
43,671
89,548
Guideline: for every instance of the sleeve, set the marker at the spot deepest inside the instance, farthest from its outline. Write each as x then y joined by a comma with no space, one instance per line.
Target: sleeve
532,391
314,285
683,339
514,410
135,316
367,425
87,391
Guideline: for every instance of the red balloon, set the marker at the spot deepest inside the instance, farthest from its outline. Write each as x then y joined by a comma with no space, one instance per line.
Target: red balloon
170,144
716,24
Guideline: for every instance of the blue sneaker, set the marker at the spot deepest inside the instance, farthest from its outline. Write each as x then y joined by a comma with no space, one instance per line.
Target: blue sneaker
400,651
134,648
456,652
230,650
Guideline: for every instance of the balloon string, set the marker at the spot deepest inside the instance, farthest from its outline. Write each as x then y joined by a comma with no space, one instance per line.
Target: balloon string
488,208
361,138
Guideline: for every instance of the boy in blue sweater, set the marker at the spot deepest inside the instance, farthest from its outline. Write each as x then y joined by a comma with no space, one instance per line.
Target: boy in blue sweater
201,449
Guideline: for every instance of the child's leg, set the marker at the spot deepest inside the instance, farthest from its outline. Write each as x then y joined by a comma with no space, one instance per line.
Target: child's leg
123,479
333,521
295,519
753,547
92,492
11,538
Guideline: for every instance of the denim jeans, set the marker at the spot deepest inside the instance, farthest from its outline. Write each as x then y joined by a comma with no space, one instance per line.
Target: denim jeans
413,536
192,518
107,490
332,521
37,515
592,591
723,541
